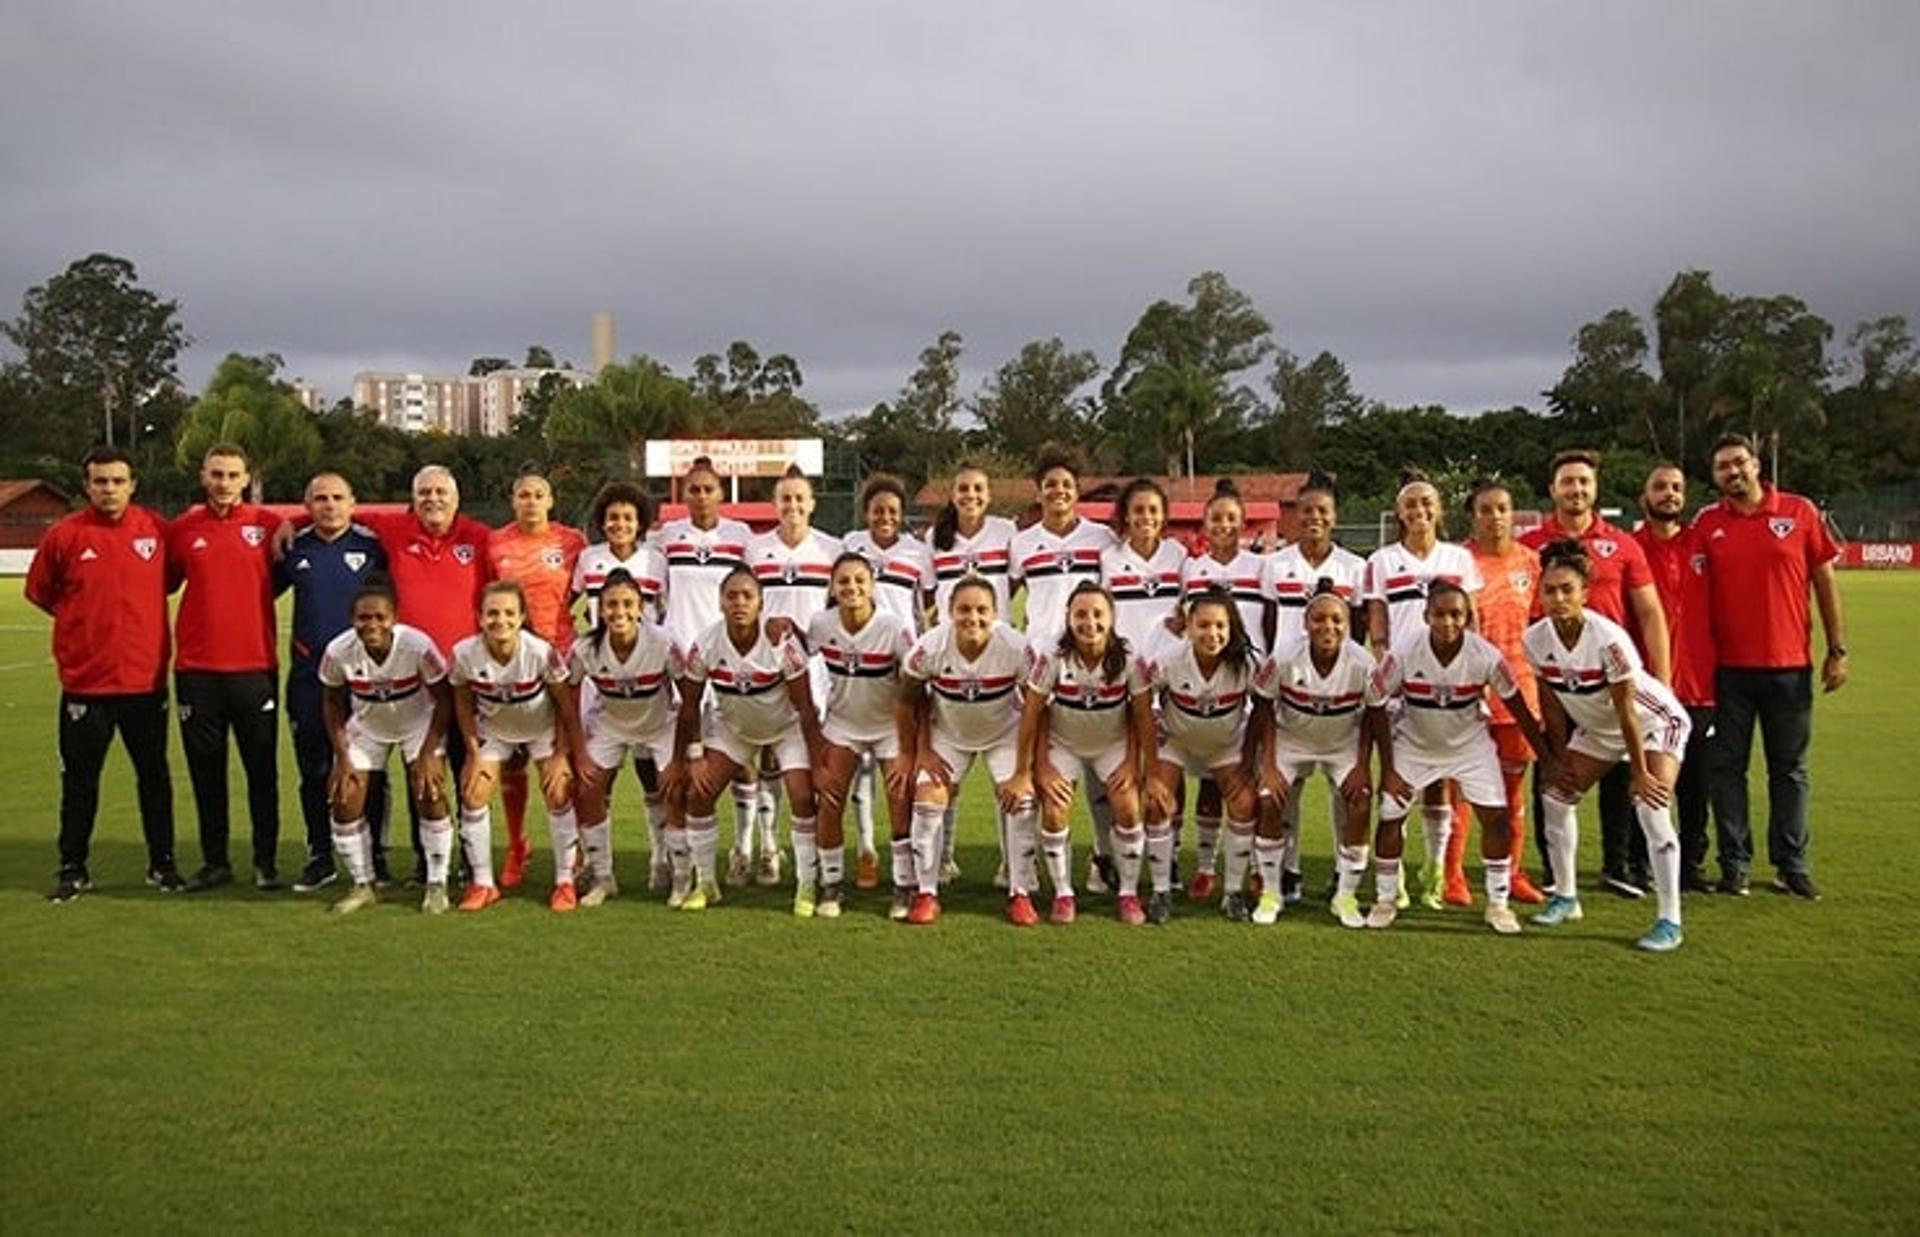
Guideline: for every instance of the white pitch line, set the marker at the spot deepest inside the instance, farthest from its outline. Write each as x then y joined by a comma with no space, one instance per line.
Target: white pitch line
25,665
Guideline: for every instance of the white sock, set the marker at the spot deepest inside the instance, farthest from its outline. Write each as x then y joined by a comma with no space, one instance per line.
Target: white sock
436,838
771,790
863,788
1058,850
1128,846
949,829
1663,848
746,803
1386,879
833,864
903,862
1352,867
680,855
926,845
1206,845
1436,826
656,829
597,841
565,829
1239,854
351,842
476,839
1160,856
806,852
1563,843
1023,874
703,838
1267,853
1499,881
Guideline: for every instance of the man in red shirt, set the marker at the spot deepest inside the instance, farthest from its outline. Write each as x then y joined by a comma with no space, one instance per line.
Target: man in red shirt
102,574
1680,576
1764,550
1621,589
438,559
224,662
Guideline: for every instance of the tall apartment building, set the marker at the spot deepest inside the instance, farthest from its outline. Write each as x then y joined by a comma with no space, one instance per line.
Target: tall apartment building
453,403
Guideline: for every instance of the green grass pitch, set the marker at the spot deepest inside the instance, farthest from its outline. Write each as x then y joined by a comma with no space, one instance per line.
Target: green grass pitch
242,1059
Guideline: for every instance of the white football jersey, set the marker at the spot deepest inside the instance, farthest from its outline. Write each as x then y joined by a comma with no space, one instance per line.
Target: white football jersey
1052,565
794,579
749,689
698,559
1445,705
1290,580
1579,677
647,565
1319,715
632,696
1399,577
1244,578
1146,593
1203,714
902,576
510,699
984,554
976,704
863,670
1086,713
389,699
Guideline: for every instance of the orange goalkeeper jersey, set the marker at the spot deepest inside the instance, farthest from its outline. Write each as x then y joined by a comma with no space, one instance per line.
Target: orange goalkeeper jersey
542,563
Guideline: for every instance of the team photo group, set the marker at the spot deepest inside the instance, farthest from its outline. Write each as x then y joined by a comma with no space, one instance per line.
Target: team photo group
1489,684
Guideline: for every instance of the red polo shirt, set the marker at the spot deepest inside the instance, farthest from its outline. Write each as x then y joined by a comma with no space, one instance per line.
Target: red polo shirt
225,624
1618,564
105,583
1680,577
1761,565
438,579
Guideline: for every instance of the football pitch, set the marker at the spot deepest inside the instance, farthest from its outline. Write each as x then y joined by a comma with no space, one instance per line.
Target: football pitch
242,1059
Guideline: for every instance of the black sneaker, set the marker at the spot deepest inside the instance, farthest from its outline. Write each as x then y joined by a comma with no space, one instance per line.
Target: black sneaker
1733,882
1696,880
208,877
70,884
382,875
1235,908
166,879
1292,892
1159,908
1619,881
266,879
318,874
1799,884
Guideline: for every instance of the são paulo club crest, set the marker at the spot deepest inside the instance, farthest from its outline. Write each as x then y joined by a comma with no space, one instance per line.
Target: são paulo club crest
553,559
1153,583
701,553
1442,694
790,572
1520,581
970,565
354,560
970,688
145,547
1782,526
1605,549
463,554
254,535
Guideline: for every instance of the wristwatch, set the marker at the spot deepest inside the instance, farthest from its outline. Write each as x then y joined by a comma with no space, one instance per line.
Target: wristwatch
1836,650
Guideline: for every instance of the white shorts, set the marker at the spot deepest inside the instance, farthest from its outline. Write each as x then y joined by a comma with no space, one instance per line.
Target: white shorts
500,751
884,748
1197,764
1001,761
1475,768
370,755
1297,767
608,747
789,751
1662,730
1087,770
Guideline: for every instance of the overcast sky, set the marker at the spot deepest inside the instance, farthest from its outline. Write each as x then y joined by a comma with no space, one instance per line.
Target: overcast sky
1441,194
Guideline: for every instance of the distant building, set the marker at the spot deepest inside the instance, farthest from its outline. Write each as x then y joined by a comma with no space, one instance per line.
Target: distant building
27,510
308,395
452,403
501,391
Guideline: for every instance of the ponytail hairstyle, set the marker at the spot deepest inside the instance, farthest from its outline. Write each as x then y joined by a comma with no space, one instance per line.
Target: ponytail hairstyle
619,577
1447,588
511,587
1486,485
1569,553
742,570
1224,490
846,557
946,521
701,464
1322,483
1113,664
1324,587
1238,652
973,580
1134,488
379,584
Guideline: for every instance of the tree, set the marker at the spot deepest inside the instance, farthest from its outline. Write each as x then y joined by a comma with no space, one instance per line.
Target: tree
1607,390
1034,398
95,347
539,356
1306,398
247,403
622,408
741,392
481,366
913,435
1772,370
1686,322
1185,401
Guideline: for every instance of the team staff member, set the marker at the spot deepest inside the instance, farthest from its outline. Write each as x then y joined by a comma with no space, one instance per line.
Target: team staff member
1680,577
327,563
1764,550
224,663
1620,589
101,573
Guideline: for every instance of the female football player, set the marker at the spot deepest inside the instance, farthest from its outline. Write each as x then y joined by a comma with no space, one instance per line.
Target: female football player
966,541
623,512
